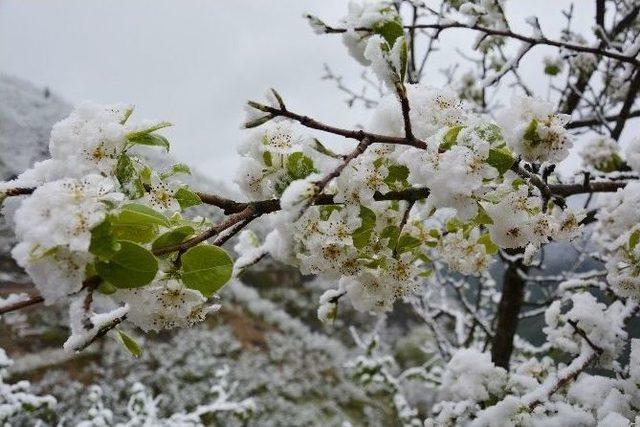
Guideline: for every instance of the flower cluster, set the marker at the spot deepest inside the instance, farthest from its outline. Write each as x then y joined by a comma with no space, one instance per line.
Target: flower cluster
361,18
601,154
618,231
378,249
54,227
466,254
375,37
518,219
273,157
164,305
95,219
535,131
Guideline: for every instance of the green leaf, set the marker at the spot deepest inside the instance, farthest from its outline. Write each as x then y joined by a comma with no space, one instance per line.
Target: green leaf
391,232
187,198
404,55
531,133
322,149
424,258
173,237
450,137
279,99
634,239
453,225
178,168
551,70
501,159
128,178
482,218
145,175
258,122
362,234
206,269
426,273
138,223
103,242
489,246
516,183
407,242
299,166
141,214
139,233
491,133
130,344
326,210
125,169
613,163
151,139
131,267
146,131
397,174
106,288
267,159
389,30
126,115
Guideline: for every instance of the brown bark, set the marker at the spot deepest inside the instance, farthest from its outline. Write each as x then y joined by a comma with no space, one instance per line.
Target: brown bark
507,314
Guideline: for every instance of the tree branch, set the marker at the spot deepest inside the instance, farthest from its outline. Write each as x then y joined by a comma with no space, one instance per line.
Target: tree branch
634,88
596,120
347,133
565,190
37,299
513,35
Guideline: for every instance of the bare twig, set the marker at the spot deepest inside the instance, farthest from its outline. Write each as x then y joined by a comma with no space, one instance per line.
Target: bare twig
37,299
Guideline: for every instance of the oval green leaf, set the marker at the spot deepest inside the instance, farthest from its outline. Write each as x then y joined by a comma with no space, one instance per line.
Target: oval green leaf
134,213
206,268
173,237
130,344
131,267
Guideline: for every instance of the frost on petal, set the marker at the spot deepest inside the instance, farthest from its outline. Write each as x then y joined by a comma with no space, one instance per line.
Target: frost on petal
365,14
91,138
535,131
164,305
298,194
56,274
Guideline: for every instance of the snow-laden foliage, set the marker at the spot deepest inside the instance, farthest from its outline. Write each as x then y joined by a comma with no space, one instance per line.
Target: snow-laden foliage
142,409
97,220
467,166
17,398
441,192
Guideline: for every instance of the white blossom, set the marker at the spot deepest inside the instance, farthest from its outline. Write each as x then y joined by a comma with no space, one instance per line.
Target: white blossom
535,131
601,153
365,14
164,305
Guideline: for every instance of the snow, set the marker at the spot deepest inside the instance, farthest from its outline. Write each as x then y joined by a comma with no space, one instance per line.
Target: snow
81,334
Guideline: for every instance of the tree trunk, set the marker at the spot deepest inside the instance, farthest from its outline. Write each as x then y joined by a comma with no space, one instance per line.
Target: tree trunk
507,314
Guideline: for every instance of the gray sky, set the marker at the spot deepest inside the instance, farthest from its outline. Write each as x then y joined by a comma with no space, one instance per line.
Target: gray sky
195,62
